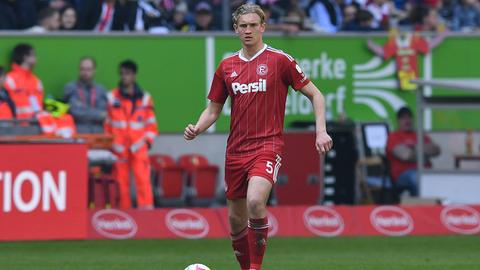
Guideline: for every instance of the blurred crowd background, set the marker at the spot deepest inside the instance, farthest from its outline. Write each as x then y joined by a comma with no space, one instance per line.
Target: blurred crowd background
290,16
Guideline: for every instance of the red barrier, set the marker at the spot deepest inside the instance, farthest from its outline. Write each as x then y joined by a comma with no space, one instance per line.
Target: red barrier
43,191
303,221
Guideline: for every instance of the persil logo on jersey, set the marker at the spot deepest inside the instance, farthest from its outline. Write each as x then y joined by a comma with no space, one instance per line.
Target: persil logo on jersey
243,88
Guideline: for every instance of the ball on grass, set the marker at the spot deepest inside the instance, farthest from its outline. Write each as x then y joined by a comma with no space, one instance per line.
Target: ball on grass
197,266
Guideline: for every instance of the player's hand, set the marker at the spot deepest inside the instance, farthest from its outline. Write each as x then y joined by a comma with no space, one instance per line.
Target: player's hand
323,142
191,132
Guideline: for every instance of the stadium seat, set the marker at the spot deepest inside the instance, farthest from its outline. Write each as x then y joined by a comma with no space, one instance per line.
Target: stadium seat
202,179
170,184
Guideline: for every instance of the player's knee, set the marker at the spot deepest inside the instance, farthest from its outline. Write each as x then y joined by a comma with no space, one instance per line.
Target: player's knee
256,206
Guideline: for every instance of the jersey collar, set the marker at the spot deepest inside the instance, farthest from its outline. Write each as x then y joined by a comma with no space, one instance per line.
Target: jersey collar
240,54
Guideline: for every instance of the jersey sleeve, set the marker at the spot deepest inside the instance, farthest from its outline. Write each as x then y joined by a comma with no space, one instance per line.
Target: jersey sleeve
295,75
218,90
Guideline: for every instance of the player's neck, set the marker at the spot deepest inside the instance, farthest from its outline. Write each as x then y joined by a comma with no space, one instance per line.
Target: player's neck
250,51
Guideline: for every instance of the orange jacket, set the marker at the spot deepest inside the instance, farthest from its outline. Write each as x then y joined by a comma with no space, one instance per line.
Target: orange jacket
7,108
26,91
131,121
65,126
5,111
62,126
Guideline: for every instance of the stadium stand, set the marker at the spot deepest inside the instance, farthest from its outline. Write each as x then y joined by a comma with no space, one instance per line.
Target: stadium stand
164,16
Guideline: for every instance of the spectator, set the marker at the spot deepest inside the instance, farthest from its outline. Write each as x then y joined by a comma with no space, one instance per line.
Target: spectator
402,154
203,17
381,10
466,16
7,107
150,17
179,19
427,19
96,15
68,18
349,17
48,20
87,99
216,7
131,120
445,11
290,22
107,15
294,20
326,15
125,16
363,22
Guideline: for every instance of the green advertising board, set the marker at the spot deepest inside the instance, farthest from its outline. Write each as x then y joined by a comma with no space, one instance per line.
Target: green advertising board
177,70
172,69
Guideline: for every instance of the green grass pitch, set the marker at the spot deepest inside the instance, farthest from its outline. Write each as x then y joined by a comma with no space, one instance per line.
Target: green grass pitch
344,253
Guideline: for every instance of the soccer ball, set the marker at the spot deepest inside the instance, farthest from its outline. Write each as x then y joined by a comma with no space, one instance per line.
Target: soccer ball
197,266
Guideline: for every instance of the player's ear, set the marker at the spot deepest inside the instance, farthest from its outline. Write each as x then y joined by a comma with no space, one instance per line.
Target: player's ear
263,26
235,27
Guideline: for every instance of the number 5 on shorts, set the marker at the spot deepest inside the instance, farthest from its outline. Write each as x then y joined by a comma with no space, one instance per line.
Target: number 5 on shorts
269,168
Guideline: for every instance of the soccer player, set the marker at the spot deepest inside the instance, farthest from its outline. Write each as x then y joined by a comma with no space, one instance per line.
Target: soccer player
256,78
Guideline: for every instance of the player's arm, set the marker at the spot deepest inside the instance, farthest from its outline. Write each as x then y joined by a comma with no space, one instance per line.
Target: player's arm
206,119
323,141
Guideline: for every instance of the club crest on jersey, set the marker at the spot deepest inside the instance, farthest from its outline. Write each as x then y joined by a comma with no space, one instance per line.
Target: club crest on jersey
262,69
243,88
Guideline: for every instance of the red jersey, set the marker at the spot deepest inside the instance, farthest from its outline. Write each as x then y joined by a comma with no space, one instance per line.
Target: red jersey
258,90
406,52
397,167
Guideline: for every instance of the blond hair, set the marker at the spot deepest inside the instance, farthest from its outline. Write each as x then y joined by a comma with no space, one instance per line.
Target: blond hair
246,9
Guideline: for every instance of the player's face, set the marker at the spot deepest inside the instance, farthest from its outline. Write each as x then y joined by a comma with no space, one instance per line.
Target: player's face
250,29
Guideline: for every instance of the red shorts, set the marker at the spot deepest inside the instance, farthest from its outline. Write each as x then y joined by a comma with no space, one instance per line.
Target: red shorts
240,168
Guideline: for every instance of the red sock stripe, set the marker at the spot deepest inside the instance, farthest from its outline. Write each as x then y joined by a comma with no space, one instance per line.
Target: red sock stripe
239,235
258,224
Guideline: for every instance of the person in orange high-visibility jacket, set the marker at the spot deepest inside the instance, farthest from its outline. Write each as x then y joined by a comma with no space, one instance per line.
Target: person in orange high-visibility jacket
131,121
25,89
7,107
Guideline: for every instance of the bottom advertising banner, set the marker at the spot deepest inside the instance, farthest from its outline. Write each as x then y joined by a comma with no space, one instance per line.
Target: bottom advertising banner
304,221
43,188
